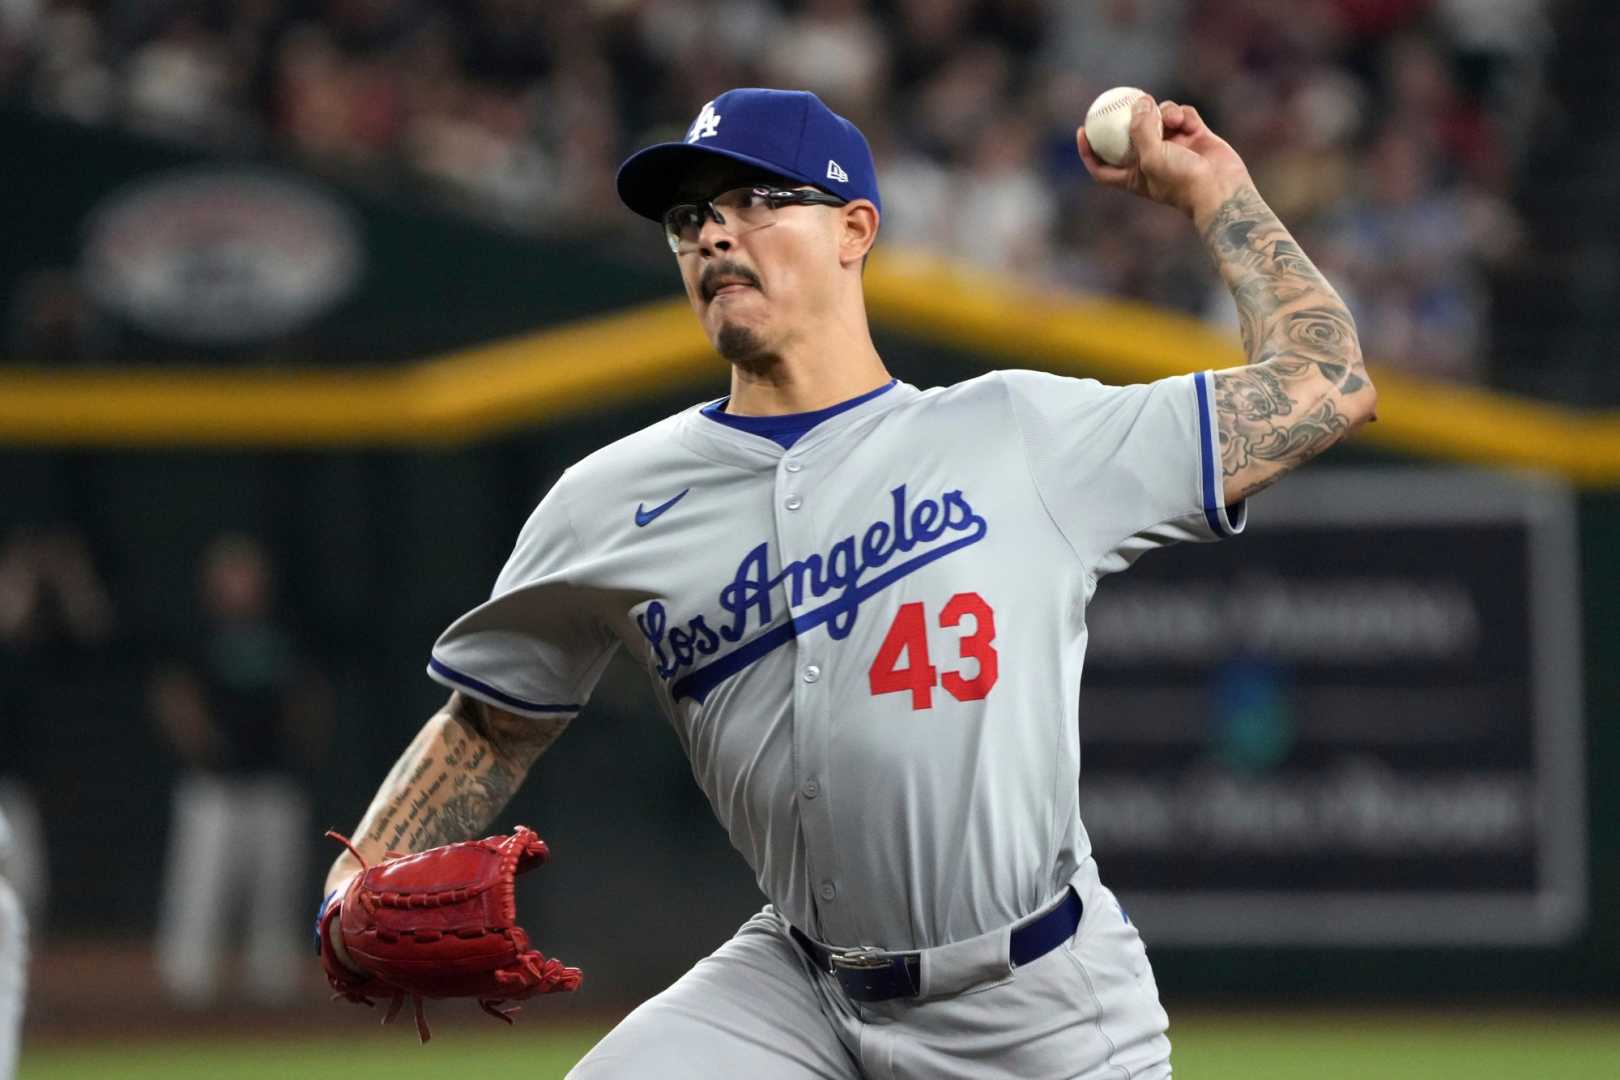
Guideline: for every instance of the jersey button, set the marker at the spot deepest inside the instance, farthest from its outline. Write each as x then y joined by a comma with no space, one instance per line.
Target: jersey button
810,789
812,673
828,890
792,466
792,502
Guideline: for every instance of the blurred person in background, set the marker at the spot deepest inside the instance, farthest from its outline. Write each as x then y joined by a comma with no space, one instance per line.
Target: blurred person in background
833,48
180,81
246,718
51,321
1003,210
55,618
1117,42
13,962
1408,244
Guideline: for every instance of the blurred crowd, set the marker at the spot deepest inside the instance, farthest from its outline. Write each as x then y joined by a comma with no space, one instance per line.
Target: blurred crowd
1385,131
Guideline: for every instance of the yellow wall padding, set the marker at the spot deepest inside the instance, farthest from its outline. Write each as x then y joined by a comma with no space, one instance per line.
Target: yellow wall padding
1121,341
471,393
603,362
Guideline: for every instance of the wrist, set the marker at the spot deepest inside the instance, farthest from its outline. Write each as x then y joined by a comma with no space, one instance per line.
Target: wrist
1206,203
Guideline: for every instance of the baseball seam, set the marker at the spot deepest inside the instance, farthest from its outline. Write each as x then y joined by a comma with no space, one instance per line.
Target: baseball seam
1113,106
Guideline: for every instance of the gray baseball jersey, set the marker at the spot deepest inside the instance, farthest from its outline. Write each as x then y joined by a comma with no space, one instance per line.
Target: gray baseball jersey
869,644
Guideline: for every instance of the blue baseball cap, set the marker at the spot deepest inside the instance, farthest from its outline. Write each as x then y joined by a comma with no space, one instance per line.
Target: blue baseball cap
788,132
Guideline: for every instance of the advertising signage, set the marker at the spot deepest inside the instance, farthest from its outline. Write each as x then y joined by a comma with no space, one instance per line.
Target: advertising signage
1359,723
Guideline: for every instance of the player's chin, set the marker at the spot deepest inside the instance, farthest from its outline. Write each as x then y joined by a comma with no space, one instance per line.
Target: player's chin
738,341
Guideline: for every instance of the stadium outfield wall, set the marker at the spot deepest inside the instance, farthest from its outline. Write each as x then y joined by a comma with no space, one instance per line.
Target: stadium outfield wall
488,389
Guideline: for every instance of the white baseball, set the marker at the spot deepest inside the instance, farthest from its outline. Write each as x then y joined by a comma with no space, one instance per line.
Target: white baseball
1108,124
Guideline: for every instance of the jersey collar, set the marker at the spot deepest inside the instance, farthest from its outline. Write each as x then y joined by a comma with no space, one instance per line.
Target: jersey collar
722,442
788,429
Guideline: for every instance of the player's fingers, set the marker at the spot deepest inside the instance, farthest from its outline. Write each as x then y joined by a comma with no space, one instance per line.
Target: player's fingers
1191,122
1171,113
1147,126
1099,169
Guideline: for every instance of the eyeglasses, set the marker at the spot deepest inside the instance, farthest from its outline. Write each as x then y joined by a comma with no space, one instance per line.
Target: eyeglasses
743,209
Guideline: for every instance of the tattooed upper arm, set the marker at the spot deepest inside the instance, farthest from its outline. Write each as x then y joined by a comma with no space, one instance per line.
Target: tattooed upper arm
1305,387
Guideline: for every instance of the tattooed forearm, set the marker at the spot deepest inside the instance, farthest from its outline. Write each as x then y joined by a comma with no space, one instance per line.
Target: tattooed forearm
454,778
400,784
1305,387
488,761
467,812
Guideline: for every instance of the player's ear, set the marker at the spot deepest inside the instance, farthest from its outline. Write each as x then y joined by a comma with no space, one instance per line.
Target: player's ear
858,226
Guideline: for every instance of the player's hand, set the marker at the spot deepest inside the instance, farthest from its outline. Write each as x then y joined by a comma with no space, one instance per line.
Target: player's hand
338,888
1187,166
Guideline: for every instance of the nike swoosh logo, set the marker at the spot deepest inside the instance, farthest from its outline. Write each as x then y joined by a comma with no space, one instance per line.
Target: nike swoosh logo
645,517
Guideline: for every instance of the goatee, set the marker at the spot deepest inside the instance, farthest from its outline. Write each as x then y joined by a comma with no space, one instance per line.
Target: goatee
744,348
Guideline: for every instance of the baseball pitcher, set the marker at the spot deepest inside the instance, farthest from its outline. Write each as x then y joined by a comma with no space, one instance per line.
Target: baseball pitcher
862,608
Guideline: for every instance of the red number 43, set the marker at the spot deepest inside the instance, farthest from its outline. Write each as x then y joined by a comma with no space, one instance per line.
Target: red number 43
908,637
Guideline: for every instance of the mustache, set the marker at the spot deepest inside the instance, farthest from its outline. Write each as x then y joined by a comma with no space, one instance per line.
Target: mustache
719,272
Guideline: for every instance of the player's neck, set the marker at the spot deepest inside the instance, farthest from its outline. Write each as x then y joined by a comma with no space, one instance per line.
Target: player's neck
809,374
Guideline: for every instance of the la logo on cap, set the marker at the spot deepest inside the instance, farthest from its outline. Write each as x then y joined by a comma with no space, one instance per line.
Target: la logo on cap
836,171
706,124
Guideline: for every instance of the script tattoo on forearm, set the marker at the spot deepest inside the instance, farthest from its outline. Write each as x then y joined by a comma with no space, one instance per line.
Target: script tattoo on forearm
456,777
1304,356
398,792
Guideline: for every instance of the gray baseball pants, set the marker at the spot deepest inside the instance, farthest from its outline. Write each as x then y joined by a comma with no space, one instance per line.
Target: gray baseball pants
1087,1010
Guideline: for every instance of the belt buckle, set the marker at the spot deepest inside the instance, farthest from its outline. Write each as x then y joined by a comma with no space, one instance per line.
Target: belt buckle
864,958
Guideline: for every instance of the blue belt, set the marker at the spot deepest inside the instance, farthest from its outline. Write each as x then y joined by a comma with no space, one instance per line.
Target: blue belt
869,974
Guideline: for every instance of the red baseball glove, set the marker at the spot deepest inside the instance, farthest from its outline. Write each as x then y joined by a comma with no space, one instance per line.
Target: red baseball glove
441,923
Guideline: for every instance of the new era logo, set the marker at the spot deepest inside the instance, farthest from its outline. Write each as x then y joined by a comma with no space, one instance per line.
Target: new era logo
706,124
836,171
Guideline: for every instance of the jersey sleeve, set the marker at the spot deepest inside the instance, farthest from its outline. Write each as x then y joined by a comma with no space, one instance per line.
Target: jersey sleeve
1124,469
535,647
